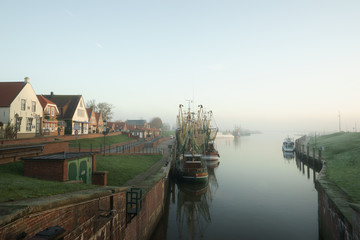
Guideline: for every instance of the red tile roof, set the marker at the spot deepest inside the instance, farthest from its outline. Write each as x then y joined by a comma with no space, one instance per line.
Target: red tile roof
9,91
44,101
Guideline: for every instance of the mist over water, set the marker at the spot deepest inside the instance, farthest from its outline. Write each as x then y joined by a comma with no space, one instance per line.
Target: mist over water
256,192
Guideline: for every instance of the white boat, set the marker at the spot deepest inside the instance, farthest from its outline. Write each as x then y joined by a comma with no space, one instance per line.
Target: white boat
288,145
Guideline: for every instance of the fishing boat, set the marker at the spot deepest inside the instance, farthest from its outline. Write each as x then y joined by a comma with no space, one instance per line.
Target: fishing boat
191,141
192,168
211,154
288,145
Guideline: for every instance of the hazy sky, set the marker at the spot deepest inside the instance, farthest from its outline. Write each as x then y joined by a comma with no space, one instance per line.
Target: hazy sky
266,65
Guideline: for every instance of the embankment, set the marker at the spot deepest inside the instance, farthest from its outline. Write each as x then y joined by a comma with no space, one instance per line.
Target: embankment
338,214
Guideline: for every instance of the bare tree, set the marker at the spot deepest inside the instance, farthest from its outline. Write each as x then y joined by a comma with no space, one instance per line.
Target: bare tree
106,110
91,103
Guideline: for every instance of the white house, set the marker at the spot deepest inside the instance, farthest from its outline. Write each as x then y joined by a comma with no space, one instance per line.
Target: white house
20,107
72,111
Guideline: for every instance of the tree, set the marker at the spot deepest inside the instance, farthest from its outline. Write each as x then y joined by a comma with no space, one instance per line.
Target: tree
156,122
91,103
103,107
106,110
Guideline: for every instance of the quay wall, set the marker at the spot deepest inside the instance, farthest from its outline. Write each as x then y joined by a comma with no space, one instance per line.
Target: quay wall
100,214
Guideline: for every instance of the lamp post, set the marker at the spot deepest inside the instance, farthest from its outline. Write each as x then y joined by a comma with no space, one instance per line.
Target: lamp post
16,124
105,132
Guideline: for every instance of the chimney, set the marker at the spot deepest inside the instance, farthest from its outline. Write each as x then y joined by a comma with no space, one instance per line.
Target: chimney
26,80
51,94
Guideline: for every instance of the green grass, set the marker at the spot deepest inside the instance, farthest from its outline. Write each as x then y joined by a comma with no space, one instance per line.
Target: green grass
167,133
15,186
342,156
124,168
100,140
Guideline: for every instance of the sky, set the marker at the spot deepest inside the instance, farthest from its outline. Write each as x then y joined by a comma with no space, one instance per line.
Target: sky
262,65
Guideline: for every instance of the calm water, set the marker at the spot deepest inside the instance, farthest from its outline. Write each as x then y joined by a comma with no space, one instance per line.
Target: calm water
254,193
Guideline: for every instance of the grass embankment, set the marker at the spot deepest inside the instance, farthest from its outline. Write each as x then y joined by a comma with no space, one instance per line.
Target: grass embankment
167,133
96,142
123,168
15,186
342,156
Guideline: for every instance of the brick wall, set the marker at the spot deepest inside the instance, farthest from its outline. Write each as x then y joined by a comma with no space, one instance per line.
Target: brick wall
332,222
92,218
47,170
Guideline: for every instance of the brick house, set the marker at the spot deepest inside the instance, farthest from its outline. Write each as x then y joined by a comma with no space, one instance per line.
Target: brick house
133,124
20,107
72,112
50,123
99,121
92,119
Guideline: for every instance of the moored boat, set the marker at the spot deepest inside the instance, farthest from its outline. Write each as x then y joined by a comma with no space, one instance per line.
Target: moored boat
192,168
211,154
191,142
288,145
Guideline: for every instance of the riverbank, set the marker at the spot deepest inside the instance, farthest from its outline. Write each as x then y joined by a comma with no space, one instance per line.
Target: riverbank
338,185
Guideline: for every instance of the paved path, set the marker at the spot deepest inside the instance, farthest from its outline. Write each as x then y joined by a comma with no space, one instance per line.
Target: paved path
146,179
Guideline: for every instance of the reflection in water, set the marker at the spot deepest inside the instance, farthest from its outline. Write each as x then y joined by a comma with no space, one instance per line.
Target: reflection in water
193,205
288,155
252,195
304,165
236,142
193,214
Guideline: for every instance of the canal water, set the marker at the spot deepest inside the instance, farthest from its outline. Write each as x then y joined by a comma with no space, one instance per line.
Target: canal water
254,193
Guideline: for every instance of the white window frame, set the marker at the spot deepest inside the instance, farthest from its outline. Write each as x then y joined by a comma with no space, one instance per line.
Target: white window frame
23,104
29,124
33,106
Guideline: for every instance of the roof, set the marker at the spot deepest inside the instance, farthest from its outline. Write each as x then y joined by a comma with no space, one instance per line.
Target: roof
97,115
44,101
9,91
66,104
136,122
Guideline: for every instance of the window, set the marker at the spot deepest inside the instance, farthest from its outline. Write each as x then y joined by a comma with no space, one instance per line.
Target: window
47,126
53,127
33,106
29,124
18,123
52,111
23,104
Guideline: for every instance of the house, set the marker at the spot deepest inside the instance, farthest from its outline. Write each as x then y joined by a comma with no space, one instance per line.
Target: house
20,107
50,124
72,112
92,119
99,122
110,126
133,124
123,127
